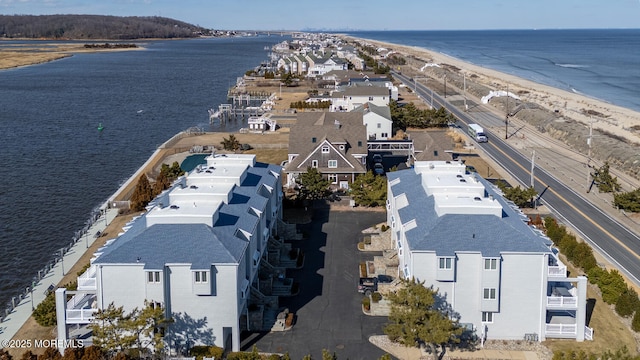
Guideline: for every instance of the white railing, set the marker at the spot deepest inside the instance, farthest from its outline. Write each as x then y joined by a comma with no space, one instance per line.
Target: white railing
562,301
80,316
588,333
87,281
557,271
561,329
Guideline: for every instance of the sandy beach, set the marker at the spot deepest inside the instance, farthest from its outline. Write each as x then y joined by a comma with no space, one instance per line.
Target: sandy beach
16,55
564,115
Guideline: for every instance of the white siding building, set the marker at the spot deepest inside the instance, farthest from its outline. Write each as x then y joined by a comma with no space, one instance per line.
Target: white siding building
501,276
377,120
355,96
196,252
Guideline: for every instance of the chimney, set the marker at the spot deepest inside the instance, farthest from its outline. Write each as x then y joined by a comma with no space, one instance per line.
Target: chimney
336,123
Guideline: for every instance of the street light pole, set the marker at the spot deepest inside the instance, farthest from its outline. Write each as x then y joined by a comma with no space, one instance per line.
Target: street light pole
445,86
506,117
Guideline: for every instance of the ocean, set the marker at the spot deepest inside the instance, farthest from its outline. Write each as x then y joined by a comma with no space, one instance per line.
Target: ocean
58,167
601,64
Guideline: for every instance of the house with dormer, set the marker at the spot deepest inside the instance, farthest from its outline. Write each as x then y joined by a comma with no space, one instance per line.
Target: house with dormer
377,120
354,96
333,143
320,65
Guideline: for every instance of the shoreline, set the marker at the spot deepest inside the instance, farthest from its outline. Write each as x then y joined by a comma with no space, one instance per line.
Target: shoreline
615,119
21,55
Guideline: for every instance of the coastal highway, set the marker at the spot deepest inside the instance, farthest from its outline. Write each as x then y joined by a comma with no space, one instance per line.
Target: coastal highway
613,240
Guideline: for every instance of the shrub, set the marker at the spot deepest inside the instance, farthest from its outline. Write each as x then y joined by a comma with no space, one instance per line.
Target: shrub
45,312
366,303
206,351
363,269
384,227
635,323
627,303
612,286
376,297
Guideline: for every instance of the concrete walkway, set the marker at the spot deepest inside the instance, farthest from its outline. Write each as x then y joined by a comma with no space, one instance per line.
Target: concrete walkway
21,313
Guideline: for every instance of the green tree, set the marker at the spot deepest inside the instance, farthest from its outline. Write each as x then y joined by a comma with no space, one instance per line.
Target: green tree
142,194
172,172
45,313
628,303
109,330
231,143
416,319
369,190
603,179
635,322
312,185
148,325
629,201
521,197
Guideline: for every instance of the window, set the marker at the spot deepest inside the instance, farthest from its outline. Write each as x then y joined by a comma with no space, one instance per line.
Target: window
487,317
313,139
359,143
325,149
153,276
314,163
370,98
379,126
445,263
341,147
489,294
384,135
201,276
333,163
333,178
490,264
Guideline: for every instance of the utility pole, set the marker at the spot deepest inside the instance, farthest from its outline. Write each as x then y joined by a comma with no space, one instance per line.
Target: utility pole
589,152
506,117
445,86
464,90
533,166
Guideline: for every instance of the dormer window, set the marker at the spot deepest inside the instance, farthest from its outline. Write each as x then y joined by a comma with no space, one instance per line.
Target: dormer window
341,147
200,277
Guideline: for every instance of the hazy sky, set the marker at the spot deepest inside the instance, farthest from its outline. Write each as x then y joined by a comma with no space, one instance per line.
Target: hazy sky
355,15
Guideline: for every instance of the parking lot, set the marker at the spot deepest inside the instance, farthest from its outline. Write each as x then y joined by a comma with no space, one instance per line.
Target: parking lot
328,307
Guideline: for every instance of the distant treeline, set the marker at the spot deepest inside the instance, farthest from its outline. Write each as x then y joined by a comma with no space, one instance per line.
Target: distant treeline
95,27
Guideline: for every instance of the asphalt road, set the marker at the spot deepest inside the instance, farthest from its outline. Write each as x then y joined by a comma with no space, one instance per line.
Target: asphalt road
617,243
328,307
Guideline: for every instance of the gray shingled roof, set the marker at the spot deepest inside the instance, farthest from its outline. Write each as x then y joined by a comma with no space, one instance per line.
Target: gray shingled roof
157,245
197,244
448,234
321,126
383,111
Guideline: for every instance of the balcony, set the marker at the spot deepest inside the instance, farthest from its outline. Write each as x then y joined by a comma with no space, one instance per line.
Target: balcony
80,308
561,330
562,302
558,271
562,295
87,281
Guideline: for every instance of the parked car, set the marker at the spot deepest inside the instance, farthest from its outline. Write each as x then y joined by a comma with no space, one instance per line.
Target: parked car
245,147
377,158
378,169
384,279
368,286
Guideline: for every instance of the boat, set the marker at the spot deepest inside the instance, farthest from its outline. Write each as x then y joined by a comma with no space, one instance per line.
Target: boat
100,127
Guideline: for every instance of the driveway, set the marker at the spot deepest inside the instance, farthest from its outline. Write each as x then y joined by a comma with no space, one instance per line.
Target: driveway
328,307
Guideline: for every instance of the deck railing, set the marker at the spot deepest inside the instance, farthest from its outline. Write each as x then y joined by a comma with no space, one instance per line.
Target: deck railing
80,316
561,329
557,271
588,333
562,302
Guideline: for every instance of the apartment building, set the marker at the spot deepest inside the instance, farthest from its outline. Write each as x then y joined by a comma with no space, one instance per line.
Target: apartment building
502,277
196,252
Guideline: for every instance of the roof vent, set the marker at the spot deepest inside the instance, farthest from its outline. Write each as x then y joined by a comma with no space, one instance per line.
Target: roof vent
193,187
477,198
459,176
463,180
174,207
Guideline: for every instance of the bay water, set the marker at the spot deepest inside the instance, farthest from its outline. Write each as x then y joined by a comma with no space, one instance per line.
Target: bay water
58,167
